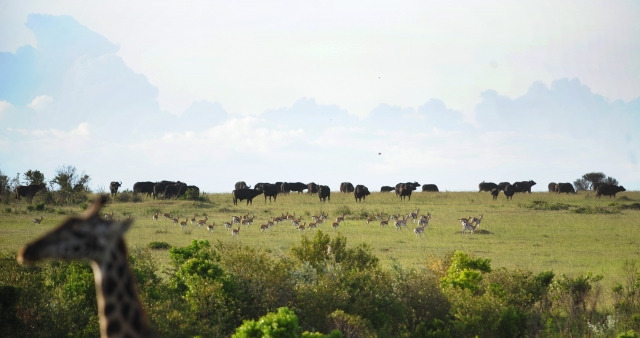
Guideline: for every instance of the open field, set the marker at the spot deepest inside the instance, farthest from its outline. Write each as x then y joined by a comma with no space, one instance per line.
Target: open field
568,234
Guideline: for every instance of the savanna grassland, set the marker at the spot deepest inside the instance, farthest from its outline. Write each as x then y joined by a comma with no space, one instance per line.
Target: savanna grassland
570,234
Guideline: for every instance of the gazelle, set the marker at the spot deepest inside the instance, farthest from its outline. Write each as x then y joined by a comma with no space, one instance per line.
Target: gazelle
467,225
419,231
335,225
302,226
424,220
385,222
340,218
210,226
38,220
235,232
184,224
370,219
175,220
155,217
414,215
203,221
400,223
228,225
193,219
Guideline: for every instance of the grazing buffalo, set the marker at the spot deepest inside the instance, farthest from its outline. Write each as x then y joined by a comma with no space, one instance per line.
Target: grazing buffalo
159,188
609,190
360,192
386,188
430,187
495,192
195,191
29,191
346,187
175,190
113,187
487,186
552,187
509,190
501,185
524,186
270,190
324,193
295,186
312,188
564,188
245,194
242,185
143,188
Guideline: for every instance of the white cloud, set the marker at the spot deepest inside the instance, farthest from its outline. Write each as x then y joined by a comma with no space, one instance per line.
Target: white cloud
40,103
5,107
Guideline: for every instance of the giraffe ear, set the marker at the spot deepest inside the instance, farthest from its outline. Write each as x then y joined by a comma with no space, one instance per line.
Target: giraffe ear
94,208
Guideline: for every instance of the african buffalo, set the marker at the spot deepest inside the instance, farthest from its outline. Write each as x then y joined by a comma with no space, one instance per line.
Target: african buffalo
552,187
296,186
501,185
405,191
29,191
113,187
386,188
360,192
143,188
609,190
564,188
486,186
195,191
346,187
324,193
495,192
413,186
241,185
509,190
430,187
524,186
270,190
245,194
175,190
159,188
312,188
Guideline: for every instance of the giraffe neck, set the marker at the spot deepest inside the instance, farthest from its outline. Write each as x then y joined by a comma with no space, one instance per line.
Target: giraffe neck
119,308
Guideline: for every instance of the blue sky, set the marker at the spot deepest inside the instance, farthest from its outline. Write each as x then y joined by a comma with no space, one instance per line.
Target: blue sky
374,93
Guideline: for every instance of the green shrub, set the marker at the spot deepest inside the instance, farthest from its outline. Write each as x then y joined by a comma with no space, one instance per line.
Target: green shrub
159,245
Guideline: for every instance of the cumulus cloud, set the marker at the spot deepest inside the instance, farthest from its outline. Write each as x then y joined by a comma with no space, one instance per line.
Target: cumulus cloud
40,103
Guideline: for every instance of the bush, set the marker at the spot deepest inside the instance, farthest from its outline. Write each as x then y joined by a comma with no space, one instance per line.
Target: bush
159,245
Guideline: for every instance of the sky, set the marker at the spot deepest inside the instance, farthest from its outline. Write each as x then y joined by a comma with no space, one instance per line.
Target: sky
369,92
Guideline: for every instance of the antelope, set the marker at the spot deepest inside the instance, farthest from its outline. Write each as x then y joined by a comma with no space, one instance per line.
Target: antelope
467,225
312,225
302,226
228,225
370,219
424,220
385,222
400,223
203,222
414,215
175,220
38,220
184,224
477,220
210,226
167,216
419,230
235,232
235,219
155,217
335,225
340,218
247,221
264,227
193,219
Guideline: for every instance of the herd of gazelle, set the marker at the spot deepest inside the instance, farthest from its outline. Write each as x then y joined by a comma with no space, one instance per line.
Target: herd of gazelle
469,224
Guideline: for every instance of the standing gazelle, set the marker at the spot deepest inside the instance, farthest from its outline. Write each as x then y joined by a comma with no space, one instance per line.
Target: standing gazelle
100,241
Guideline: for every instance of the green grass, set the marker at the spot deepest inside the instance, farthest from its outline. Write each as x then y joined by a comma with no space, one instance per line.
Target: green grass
569,234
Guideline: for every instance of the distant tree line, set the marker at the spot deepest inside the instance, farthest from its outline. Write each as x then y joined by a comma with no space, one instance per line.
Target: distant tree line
590,181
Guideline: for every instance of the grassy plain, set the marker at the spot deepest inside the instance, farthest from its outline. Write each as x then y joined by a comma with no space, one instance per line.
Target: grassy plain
568,234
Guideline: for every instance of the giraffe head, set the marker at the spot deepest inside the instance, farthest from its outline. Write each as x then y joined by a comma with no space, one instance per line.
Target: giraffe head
85,237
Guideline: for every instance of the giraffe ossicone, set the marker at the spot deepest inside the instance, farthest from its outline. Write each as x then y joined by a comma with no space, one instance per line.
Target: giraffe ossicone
100,241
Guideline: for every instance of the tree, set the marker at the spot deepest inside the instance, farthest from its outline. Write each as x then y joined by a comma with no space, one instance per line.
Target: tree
34,177
590,181
69,181
4,184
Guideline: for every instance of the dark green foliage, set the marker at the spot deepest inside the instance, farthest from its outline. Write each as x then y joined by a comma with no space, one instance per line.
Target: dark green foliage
34,177
159,245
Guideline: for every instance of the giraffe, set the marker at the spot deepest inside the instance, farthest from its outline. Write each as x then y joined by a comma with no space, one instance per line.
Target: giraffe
89,237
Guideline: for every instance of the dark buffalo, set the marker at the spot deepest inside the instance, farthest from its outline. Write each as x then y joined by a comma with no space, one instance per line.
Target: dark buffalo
596,185
113,187
552,187
386,188
242,185
312,188
270,190
486,186
564,188
346,187
295,186
405,191
609,190
509,191
501,185
324,193
245,194
143,188
430,187
360,192
175,190
494,193
159,188
408,185
29,191
259,186
524,186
